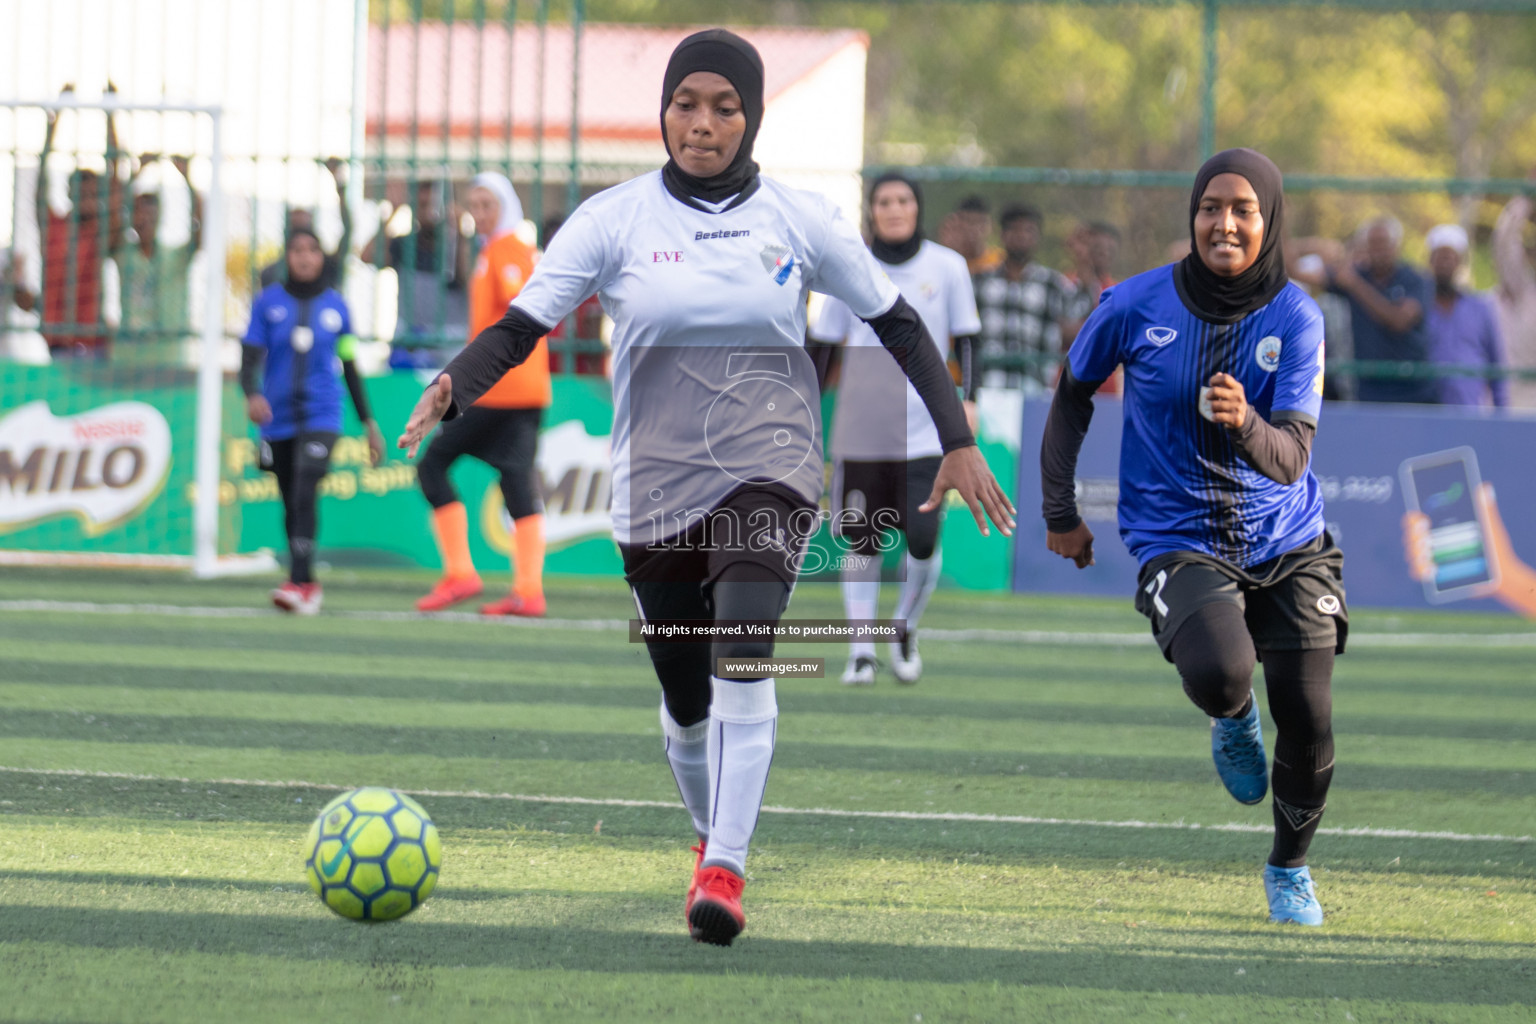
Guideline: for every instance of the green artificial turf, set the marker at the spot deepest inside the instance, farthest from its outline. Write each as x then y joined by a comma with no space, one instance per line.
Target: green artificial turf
158,772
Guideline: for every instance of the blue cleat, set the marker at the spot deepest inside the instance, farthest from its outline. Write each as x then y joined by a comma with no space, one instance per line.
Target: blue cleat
1237,747
1292,899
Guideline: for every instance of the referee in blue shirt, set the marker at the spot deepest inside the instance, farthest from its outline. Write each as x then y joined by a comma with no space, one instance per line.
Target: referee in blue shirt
1223,385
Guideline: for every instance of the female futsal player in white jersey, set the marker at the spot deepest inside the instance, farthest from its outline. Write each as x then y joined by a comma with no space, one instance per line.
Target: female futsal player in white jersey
705,267
885,448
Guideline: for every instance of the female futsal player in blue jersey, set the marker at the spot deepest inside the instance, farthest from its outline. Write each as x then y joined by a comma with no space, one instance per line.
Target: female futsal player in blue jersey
705,267
1223,385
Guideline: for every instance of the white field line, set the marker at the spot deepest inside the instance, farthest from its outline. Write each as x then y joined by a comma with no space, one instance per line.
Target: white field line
824,812
1137,638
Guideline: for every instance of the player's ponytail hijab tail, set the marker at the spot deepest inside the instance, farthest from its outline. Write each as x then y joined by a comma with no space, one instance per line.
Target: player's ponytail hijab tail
737,61
511,208
1226,299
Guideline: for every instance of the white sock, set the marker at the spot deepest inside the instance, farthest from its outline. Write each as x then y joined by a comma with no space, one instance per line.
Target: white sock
922,576
688,754
743,721
861,598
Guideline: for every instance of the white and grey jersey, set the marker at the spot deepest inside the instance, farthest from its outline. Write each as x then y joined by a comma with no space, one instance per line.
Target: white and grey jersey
879,413
712,385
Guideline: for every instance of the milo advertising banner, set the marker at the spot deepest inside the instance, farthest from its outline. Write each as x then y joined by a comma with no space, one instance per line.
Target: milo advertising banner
96,461
101,467
100,461
377,515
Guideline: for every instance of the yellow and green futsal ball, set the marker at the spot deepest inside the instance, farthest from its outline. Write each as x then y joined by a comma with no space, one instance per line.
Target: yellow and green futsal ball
373,855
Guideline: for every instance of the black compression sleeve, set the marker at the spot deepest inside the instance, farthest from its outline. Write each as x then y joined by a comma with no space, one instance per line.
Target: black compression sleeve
356,390
495,350
1280,451
965,352
823,357
901,331
1065,428
251,358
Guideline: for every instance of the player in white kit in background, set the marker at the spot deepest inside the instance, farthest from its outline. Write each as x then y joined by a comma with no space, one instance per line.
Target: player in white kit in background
706,268
885,446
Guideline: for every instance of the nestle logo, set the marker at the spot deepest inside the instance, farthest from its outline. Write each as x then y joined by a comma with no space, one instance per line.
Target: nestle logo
704,236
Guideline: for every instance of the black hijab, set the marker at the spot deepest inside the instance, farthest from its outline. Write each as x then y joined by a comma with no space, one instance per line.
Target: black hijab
1229,299
735,59
893,253
303,289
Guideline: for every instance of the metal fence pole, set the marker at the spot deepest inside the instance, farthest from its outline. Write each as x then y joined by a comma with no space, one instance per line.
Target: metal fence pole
573,185
1208,82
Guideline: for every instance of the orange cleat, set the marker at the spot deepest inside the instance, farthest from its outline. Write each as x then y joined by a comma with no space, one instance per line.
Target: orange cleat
716,916
693,884
450,591
514,604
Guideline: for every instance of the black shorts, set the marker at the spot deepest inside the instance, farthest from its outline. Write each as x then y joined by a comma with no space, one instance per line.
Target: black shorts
1291,603
765,526
870,498
308,452
506,439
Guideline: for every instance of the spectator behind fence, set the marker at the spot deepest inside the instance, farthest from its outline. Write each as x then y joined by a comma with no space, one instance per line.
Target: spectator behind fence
300,219
14,290
74,245
1515,296
431,264
968,231
1462,328
156,278
1094,249
1387,302
1023,305
587,321
19,341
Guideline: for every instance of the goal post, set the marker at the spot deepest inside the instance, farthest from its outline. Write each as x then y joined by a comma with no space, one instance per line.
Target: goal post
95,381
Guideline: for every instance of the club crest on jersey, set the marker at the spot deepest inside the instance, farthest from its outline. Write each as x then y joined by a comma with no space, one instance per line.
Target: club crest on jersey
330,319
1161,336
1267,355
779,261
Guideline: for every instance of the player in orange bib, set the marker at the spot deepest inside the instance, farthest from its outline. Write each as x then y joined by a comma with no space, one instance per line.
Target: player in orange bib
501,428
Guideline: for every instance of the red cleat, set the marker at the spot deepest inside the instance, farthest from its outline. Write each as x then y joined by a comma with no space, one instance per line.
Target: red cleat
693,884
298,598
514,604
716,916
450,591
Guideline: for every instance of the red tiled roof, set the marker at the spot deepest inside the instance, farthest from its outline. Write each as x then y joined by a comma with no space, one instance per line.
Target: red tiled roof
471,77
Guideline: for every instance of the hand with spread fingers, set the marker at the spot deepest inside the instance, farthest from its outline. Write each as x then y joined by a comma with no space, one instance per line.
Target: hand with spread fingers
429,412
965,471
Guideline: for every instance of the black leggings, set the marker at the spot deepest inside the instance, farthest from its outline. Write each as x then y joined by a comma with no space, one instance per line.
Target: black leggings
742,591
300,463
875,496
1215,656
506,439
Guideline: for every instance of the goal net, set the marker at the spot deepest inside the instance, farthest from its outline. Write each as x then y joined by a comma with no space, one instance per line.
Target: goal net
113,352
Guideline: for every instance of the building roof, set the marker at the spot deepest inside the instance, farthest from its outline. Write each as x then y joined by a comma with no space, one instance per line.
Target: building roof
431,78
